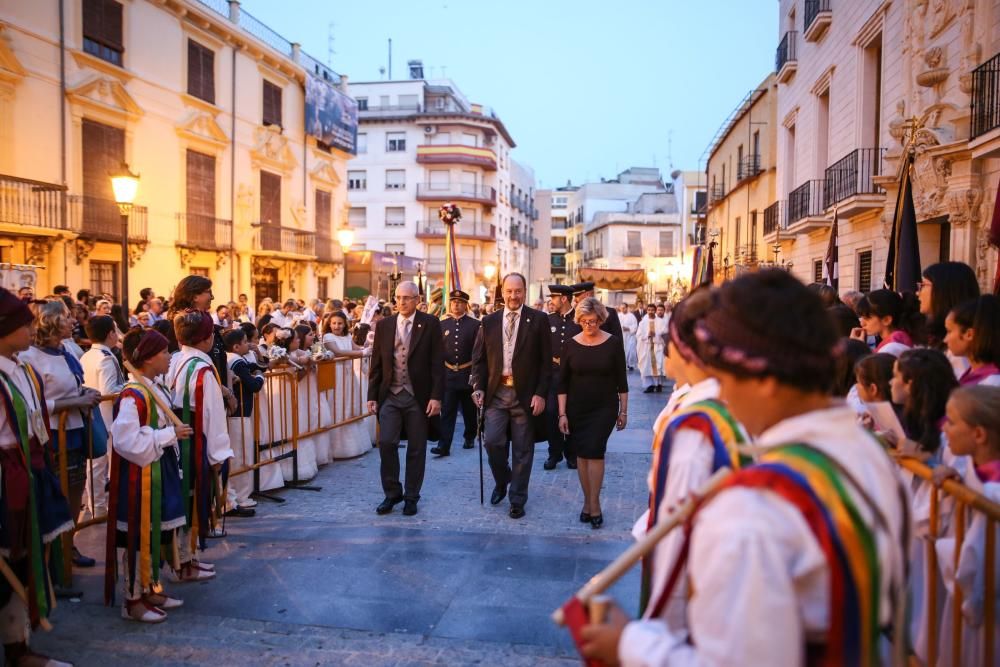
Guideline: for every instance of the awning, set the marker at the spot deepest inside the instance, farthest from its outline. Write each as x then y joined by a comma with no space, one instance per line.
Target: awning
614,279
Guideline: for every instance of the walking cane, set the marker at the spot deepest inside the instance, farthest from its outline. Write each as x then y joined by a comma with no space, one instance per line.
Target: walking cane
479,433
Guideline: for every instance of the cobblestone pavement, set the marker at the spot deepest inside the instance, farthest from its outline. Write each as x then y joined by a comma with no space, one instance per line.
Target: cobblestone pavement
322,580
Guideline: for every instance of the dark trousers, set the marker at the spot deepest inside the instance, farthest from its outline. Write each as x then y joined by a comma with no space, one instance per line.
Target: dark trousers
558,444
457,393
503,413
399,410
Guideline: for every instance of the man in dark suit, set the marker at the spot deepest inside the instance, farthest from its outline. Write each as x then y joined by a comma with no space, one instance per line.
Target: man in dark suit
612,325
459,331
405,385
510,376
562,327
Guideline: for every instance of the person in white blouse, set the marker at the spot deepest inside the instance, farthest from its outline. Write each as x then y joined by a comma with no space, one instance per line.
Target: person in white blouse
761,580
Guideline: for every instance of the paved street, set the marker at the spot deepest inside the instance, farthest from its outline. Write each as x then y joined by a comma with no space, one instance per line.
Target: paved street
322,580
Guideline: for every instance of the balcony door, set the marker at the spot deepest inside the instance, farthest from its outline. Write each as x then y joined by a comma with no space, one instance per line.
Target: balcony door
266,285
200,218
103,154
270,211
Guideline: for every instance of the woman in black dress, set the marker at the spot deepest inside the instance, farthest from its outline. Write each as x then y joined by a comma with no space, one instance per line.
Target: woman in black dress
593,400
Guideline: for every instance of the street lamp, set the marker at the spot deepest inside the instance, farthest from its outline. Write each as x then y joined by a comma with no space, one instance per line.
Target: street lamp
345,236
651,281
489,271
125,184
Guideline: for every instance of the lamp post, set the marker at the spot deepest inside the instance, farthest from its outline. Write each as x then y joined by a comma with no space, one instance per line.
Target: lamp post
345,237
125,184
651,281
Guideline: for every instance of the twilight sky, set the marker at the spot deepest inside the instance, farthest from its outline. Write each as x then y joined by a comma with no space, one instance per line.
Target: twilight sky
587,88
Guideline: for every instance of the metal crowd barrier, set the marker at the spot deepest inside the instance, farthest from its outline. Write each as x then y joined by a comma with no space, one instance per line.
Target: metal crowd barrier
967,502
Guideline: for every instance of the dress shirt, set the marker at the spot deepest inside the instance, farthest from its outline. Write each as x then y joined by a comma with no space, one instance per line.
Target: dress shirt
508,345
213,412
14,372
101,372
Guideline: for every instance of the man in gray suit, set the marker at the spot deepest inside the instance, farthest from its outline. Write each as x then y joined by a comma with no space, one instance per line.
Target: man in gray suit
405,385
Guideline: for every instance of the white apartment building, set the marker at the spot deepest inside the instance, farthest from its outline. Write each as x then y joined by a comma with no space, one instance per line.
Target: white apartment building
422,144
207,105
692,198
553,214
852,77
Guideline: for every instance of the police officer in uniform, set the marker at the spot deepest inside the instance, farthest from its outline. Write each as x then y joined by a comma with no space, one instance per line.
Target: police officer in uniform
612,325
562,327
459,331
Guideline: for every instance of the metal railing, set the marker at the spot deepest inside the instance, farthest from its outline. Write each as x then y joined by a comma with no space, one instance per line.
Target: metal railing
717,192
786,50
265,34
285,239
328,249
473,229
775,217
204,232
389,110
478,193
806,201
218,6
100,219
985,97
748,167
32,203
812,9
853,175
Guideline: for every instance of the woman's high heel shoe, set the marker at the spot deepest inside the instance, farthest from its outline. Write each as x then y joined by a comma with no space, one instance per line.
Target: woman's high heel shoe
596,521
584,517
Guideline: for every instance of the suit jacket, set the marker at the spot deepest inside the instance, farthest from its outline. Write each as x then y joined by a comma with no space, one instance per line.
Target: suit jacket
424,359
531,365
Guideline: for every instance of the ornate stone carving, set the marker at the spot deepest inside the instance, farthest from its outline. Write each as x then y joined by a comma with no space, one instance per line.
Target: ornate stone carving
271,149
941,14
38,250
930,185
186,255
258,264
105,93
202,126
220,258
964,206
971,50
136,249
82,249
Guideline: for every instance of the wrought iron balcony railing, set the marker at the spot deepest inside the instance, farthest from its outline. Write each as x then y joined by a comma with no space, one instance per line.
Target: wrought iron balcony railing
467,229
812,10
985,97
748,167
100,219
853,175
32,203
460,192
204,232
806,201
285,239
775,217
786,50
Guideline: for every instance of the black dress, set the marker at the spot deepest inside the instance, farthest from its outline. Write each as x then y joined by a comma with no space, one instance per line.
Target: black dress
592,377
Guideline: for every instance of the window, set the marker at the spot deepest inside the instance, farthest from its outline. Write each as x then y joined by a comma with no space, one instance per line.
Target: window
362,143
103,152
756,149
324,226
104,278
666,243
440,139
634,247
559,242
395,216
823,132
753,235
357,216
201,72
736,245
395,248
200,188
362,103
817,270
270,198
357,179
865,271
323,288
559,202
440,179
469,139
408,102
102,30
272,104
395,142
395,179
383,102
871,94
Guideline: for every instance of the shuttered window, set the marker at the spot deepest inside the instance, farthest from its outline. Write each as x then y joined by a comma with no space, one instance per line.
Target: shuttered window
272,104
634,246
270,198
357,216
103,153
865,271
666,243
102,30
395,216
104,278
201,72
817,270
200,184
323,222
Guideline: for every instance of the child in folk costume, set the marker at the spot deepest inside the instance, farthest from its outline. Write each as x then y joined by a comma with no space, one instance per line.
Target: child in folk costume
145,500
797,558
649,345
973,430
689,445
245,385
197,393
33,510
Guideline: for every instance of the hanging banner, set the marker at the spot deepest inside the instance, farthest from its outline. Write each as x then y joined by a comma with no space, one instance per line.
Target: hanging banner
331,116
614,279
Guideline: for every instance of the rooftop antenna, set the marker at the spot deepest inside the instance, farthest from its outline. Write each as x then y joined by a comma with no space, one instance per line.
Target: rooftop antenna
444,72
390,59
329,44
381,72
670,149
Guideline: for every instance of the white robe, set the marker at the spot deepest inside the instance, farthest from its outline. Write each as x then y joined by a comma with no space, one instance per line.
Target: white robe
629,325
649,346
760,578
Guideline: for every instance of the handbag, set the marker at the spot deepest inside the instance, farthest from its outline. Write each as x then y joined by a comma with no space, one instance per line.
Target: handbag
98,434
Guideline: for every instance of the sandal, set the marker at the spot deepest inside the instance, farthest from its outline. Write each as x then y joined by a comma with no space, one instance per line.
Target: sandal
142,611
162,601
191,571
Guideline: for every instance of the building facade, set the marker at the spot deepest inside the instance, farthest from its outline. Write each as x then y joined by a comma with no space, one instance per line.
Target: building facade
690,189
422,144
553,215
207,105
741,175
860,85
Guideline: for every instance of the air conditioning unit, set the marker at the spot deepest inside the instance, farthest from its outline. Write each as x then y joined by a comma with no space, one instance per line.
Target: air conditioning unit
430,129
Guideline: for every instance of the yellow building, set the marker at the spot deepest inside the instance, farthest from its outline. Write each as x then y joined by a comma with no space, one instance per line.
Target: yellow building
207,105
741,183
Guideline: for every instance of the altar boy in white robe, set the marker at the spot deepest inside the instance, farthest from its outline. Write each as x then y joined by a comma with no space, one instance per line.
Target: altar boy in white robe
649,341
761,578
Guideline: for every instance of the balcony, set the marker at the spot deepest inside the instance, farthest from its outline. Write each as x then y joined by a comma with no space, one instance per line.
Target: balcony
328,249
34,206
775,220
817,18
716,193
806,212
389,111
286,240
850,182
204,232
785,63
476,230
457,154
99,219
748,167
985,108
476,194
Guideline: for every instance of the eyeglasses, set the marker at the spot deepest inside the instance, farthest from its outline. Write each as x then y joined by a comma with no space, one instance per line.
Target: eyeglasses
406,298
922,284
588,323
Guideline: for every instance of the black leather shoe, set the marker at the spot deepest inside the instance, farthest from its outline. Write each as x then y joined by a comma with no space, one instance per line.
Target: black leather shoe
438,450
410,508
571,464
469,444
387,505
596,521
550,464
244,512
649,390
584,517
516,511
80,560
659,389
499,493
